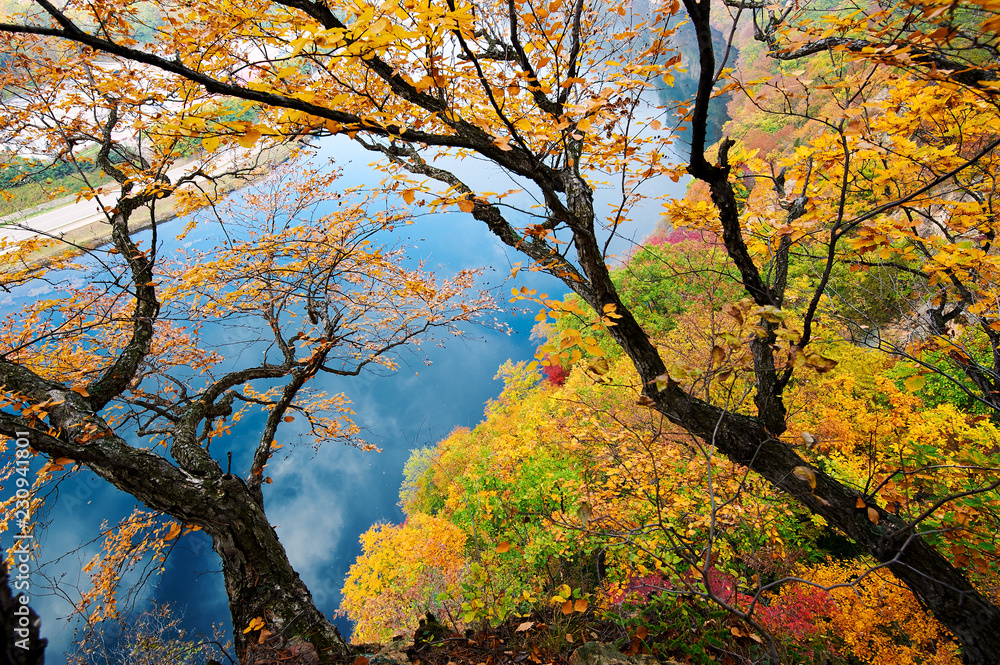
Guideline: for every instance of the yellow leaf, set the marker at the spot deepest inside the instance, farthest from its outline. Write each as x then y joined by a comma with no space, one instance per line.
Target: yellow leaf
175,530
408,196
804,473
210,143
915,382
600,366
820,363
585,513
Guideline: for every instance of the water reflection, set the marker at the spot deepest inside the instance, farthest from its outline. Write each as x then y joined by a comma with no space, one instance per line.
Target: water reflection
322,499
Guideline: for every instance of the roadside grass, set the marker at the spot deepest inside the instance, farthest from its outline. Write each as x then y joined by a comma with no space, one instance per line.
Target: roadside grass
30,187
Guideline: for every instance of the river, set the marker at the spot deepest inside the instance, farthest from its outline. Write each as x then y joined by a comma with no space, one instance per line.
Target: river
322,499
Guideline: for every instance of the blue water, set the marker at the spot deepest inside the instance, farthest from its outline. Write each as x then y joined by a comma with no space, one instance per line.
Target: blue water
322,499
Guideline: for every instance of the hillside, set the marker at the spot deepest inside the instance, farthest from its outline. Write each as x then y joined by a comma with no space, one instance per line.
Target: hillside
573,494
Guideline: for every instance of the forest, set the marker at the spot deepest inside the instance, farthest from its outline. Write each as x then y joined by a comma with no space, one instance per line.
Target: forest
766,434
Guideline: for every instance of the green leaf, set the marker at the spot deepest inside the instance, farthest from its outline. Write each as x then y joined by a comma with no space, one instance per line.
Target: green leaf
915,382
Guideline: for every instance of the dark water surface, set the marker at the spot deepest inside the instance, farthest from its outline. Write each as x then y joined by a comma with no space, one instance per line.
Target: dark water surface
322,499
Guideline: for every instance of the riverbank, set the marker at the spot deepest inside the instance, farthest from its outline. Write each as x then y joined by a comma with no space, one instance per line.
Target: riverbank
78,238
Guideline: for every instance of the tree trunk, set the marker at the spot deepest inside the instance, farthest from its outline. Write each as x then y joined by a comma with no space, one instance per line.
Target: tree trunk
261,582
259,579
943,589
940,587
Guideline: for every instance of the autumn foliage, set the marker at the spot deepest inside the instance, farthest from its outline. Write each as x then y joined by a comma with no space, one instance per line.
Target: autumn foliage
799,382
579,484
400,574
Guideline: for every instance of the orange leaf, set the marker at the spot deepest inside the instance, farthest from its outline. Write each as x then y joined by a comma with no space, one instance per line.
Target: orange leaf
873,515
580,605
567,607
288,419
408,196
642,632
81,391
503,547
860,503
249,139
255,624
360,660
466,205
718,354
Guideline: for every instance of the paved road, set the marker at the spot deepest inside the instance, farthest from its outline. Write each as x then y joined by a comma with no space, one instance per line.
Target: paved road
59,221
55,223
